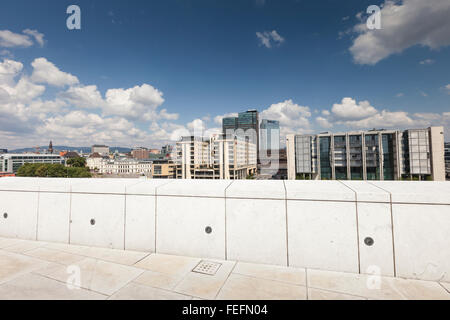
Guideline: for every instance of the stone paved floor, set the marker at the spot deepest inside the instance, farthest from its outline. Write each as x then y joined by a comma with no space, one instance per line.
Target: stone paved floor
39,270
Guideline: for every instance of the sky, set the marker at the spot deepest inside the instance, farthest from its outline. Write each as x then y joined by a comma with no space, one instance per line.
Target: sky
144,73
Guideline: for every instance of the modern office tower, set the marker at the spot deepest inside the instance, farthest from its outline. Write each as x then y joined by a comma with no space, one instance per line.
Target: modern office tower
11,162
447,160
100,149
269,135
245,125
140,153
415,154
167,150
229,124
219,157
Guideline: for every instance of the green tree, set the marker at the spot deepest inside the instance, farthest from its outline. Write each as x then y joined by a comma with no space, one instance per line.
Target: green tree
78,162
52,170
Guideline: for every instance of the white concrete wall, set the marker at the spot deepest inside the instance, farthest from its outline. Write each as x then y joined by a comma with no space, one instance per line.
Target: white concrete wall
314,224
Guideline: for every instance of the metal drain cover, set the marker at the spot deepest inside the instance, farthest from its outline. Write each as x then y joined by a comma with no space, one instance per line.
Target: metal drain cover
207,267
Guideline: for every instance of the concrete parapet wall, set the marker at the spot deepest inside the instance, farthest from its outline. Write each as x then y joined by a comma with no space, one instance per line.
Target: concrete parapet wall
392,228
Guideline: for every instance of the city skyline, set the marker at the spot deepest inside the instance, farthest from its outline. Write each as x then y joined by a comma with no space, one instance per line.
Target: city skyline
132,76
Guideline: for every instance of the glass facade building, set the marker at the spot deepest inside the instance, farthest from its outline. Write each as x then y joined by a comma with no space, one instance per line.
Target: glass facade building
413,154
269,135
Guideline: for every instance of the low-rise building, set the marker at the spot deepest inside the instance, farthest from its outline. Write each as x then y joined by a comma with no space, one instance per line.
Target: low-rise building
163,169
125,166
101,149
11,162
414,154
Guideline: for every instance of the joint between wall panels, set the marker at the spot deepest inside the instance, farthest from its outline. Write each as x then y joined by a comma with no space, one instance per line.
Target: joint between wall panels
357,226
392,226
286,221
225,227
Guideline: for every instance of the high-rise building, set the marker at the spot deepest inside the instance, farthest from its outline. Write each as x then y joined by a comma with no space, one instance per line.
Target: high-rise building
50,148
100,149
269,135
416,154
245,125
219,157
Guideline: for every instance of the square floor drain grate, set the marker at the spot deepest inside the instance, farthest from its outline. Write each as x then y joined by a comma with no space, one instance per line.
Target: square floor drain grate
207,267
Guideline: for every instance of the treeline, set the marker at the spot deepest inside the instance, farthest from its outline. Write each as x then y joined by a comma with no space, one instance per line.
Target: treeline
77,169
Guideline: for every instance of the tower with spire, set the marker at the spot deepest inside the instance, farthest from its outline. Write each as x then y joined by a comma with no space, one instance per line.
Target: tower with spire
50,147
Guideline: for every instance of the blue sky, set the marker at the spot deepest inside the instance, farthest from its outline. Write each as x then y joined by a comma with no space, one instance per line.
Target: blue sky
199,60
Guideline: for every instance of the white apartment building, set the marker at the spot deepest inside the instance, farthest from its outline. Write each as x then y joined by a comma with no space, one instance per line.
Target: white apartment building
215,158
119,167
11,162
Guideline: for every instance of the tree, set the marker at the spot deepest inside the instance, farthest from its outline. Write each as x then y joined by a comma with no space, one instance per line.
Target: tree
78,162
52,170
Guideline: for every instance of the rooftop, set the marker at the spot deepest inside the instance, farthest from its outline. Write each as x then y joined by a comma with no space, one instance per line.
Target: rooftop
42,270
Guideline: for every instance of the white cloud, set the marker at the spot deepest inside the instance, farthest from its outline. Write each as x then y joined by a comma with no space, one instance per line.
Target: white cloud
267,38
348,109
399,95
10,39
427,62
218,119
39,37
403,24
324,123
46,72
292,117
134,103
83,97
447,88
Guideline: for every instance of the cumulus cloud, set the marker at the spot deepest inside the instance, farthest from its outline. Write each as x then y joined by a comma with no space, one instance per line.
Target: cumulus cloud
9,39
45,71
403,24
447,88
350,115
218,119
137,102
38,37
427,62
349,109
268,38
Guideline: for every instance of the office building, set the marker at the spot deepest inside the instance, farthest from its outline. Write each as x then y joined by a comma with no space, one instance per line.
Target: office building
415,154
269,135
219,157
11,162
101,149
140,153
245,125
3,151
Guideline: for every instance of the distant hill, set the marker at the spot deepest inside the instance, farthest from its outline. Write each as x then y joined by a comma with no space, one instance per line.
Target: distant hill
76,149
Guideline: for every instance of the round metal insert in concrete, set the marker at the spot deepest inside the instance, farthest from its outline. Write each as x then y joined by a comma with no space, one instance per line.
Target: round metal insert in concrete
92,222
208,230
5,215
368,241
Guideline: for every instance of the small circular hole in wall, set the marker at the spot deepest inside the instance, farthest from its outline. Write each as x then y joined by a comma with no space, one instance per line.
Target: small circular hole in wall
368,241
92,222
5,215
208,230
